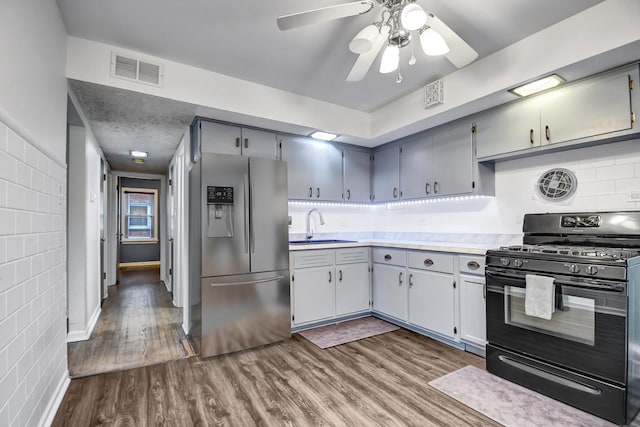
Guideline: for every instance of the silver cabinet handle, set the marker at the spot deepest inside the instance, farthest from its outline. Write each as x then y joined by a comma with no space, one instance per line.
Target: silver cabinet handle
318,192
400,279
411,280
395,193
340,275
531,136
428,262
426,188
310,192
473,265
547,133
436,184
330,278
484,291
387,257
348,194
246,143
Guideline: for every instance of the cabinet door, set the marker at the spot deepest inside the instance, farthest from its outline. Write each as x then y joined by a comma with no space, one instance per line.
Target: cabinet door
313,294
219,138
386,174
414,169
389,291
450,161
258,143
357,176
593,107
510,128
300,174
472,310
326,163
431,301
352,288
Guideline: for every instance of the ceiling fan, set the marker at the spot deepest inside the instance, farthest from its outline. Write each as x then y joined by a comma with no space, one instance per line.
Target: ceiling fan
394,29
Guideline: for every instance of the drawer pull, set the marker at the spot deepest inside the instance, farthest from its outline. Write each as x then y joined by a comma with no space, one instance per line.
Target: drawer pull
387,257
473,265
428,262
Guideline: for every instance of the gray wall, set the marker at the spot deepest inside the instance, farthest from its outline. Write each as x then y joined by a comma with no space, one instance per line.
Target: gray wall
142,252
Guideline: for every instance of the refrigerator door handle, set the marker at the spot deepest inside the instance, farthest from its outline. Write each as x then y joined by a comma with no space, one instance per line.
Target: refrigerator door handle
246,213
248,282
251,221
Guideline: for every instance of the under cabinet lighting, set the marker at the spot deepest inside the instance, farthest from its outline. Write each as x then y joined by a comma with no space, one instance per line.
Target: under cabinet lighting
138,154
538,85
325,136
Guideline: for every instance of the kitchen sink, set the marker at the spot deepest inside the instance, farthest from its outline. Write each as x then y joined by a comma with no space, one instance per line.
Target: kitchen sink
319,241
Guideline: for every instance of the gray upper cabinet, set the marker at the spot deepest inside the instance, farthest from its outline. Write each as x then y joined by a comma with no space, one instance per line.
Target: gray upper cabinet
227,139
386,174
451,161
357,175
314,167
415,172
589,110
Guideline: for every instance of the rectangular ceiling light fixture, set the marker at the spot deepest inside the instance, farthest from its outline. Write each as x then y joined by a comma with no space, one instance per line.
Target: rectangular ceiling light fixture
325,136
138,154
538,85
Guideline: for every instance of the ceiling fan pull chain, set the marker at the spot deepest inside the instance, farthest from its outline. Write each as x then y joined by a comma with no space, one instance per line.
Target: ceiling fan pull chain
412,60
399,78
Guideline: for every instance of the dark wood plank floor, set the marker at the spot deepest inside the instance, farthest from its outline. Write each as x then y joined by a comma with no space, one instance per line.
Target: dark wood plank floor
138,326
378,381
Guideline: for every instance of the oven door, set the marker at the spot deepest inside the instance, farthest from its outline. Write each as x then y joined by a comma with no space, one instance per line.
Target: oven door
586,333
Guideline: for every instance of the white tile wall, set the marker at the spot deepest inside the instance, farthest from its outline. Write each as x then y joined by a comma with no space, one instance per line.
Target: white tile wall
606,174
33,355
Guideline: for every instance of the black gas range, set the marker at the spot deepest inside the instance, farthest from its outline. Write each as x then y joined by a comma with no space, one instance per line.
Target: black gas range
584,354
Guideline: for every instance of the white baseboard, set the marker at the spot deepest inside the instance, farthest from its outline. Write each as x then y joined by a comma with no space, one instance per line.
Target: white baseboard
54,403
85,334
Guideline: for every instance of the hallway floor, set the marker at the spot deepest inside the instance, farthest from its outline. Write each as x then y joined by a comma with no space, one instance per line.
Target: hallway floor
138,326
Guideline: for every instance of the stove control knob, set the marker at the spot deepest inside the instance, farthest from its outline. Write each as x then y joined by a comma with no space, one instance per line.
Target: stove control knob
592,270
574,268
505,261
517,262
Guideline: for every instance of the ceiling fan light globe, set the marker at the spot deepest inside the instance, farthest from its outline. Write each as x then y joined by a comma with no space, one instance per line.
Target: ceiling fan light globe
432,43
363,41
390,59
413,17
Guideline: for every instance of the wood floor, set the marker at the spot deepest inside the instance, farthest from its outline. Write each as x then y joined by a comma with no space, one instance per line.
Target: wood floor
378,381
138,326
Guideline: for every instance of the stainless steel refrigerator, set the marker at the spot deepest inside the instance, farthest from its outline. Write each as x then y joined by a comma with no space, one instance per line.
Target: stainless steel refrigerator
239,253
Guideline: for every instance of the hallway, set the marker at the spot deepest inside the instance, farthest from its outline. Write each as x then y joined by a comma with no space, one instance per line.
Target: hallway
138,326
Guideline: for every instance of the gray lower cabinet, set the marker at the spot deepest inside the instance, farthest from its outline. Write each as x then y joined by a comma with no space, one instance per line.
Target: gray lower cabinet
386,174
227,139
314,168
473,329
591,109
390,290
357,176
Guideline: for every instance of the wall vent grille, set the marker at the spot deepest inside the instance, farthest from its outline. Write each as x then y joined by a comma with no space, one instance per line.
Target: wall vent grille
557,184
136,70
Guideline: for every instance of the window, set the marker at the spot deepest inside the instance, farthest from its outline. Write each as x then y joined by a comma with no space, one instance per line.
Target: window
139,215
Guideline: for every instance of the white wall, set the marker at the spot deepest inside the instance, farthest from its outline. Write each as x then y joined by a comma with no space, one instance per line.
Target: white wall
33,93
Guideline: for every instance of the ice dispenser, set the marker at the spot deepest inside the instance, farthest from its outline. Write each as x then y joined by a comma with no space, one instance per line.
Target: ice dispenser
220,207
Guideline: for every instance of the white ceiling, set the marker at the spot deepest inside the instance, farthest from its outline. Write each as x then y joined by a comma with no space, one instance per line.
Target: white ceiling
241,39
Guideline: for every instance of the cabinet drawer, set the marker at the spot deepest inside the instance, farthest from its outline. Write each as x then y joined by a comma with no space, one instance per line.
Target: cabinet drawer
433,261
471,264
316,258
390,256
352,255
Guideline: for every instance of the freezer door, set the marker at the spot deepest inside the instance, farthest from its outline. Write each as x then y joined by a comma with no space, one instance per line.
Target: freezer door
244,311
225,225
269,240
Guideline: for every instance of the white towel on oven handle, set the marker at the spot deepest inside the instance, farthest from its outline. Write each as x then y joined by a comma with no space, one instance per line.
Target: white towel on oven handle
539,299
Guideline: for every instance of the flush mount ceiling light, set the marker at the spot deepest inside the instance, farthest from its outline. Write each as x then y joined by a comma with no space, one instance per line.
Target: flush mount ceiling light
138,154
538,85
399,18
325,136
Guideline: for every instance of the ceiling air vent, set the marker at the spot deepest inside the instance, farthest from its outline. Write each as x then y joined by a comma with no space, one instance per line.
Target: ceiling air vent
136,70
556,185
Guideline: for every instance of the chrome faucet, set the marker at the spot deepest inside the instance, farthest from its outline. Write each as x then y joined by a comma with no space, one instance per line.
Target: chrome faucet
309,234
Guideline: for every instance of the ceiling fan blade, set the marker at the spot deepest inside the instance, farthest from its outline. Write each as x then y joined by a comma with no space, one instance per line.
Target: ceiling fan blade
365,60
461,54
287,22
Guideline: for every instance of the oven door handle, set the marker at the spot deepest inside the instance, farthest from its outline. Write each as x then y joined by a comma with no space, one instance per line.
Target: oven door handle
604,286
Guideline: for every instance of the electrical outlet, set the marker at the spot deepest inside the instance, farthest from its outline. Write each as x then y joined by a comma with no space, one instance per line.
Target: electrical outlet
633,196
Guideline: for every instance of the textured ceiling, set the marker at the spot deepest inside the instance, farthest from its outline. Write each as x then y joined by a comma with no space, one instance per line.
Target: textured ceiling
241,39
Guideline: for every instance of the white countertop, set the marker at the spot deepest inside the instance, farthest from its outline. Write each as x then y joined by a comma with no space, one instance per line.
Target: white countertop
454,247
